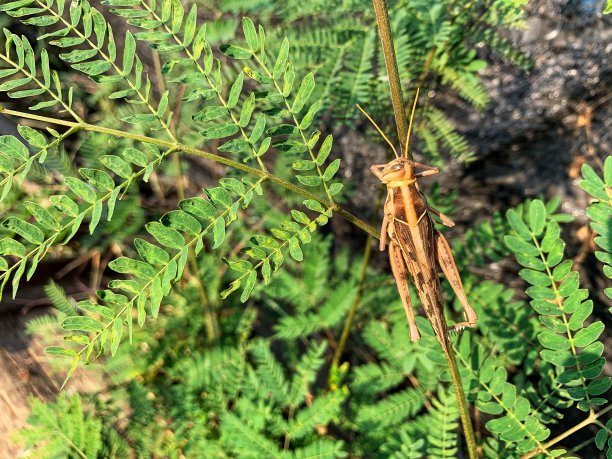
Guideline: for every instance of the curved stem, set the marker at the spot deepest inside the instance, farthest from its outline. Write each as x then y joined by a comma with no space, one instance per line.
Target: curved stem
382,18
590,420
203,154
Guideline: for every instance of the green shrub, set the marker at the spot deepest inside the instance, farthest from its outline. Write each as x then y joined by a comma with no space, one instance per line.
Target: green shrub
234,299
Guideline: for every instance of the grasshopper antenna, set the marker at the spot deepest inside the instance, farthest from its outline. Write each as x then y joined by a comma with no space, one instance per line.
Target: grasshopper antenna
378,129
414,104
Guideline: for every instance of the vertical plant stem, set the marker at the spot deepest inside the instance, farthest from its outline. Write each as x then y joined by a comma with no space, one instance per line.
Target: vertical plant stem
464,411
210,319
180,186
361,283
382,18
426,67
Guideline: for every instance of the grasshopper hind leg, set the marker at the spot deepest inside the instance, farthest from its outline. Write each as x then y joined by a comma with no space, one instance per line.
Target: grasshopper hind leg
447,263
399,272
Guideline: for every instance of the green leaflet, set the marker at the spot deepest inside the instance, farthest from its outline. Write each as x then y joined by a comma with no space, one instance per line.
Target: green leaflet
78,55
151,253
250,34
32,136
81,323
331,170
209,113
93,68
218,232
247,110
43,216
96,308
24,229
129,49
9,145
219,197
235,146
235,91
279,65
304,92
181,221
136,157
324,150
537,215
139,269
219,131
98,178
116,333
117,165
165,236
81,189
60,351
198,207
12,247
235,52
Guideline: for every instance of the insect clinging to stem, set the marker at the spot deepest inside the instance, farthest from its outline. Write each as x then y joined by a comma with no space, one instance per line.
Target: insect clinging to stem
414,243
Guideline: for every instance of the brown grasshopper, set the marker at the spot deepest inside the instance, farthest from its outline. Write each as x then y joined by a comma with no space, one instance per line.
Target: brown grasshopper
415,244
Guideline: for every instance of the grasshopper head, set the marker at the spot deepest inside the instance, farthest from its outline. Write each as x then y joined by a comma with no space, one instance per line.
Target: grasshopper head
399,169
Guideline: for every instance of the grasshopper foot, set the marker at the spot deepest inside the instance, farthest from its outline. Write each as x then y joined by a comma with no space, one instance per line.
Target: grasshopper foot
457,328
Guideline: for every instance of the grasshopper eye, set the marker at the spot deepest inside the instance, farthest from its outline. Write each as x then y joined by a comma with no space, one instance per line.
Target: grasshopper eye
397,167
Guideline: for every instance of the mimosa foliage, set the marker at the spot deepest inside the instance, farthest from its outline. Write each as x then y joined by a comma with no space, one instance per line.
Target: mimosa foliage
65,429
235,300
179,231
599,213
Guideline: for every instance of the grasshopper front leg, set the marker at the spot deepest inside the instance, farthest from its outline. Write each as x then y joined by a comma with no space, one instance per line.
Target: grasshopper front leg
376,169
447,263
399,272
428,170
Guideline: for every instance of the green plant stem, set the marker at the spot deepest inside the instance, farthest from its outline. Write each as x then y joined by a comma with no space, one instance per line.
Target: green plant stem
203,154
351,314
382,18
590,420
384,28
466,421
426,67
210,319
